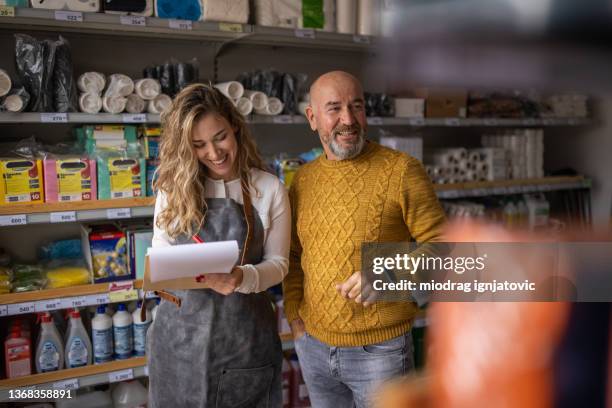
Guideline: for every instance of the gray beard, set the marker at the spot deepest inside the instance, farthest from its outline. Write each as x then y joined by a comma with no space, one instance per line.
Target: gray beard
347,153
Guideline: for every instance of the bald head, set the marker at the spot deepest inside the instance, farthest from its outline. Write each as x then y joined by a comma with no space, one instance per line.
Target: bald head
337,113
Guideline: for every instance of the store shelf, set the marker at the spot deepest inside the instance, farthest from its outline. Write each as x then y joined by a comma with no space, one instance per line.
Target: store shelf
76,117
505,187
478,122
22,214
46,300
75,378
110,24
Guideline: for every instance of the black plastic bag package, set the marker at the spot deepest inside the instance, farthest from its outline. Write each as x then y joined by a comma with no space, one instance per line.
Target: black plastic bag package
125,6
386,105
186,73
34,60
150,72
289,94
64,87
167,79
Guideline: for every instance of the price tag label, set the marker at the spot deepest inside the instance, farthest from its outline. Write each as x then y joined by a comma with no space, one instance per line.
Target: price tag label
529,122
54,117
79,301
499,190
117,213
283,119
72,16
64,216
48,305
452,122
180,24
305,33
7,11
547,122
375,121
134,118
7,220
231,28
123,375
453,194
417,122
122,292
361,39
98,299
21,308
71,384
138,21
3,310
490,122
514,189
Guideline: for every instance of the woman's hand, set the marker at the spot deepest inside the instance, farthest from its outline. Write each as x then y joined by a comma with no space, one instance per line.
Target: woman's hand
223,283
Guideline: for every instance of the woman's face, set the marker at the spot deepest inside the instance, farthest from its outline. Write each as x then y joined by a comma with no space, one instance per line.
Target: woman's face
215,145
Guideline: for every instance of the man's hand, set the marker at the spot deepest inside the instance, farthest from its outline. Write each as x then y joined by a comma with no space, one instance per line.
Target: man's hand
297,328
223,283
356,289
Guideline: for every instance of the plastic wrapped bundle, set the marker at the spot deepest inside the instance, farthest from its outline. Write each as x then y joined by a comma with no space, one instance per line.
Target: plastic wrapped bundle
184,10
114,104
159,104
16,101
135,104
244,105
150,72
90,103
232,89
92,82
231,11
186,73
258,99
34,61
119,85
274,107
5,83
147,88
167,79
64,89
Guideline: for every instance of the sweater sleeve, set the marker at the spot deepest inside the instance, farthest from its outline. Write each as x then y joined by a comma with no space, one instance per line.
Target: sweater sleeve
273,268
293,286
160,236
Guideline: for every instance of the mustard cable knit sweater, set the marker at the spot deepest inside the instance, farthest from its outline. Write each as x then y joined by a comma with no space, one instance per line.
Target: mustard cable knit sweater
380,196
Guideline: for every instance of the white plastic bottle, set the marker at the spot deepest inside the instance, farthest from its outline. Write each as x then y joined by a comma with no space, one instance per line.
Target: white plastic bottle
49,349
78,346
154,310
140,329
129,394
122,332
102,336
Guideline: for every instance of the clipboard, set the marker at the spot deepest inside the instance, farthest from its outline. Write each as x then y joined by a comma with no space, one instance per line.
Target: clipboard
172,284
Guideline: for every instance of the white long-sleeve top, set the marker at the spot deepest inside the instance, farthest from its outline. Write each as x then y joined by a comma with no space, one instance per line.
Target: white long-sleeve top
270,199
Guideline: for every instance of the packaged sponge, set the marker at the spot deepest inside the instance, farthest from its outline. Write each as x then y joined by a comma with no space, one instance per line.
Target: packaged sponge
70,179
22,181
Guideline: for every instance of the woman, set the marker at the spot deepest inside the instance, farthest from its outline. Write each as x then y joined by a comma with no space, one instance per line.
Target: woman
217,347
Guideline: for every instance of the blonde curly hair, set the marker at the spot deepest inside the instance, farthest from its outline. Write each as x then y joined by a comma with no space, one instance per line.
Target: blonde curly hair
180,175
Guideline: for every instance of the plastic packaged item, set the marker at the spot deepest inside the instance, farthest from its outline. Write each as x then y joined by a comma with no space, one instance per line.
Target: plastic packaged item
27,278
151,168
69,179
119,85
274,107
22,181
16,101
186,73
159,104
232,89
64,88
95,399
34,62
106,254
129,394
17,355
114,104
258,99
121,177
78,346
140,329
67,276
49,349
122,332
135,104
92,82
244,106
183,10
131,7
15,3
5,83
147,88
5,280
102,336
90,103
90,6
167,78
230,11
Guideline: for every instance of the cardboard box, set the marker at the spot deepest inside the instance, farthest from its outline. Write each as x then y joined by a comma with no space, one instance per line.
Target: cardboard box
22,181
409,108
70,179
443,103
121,177
105,249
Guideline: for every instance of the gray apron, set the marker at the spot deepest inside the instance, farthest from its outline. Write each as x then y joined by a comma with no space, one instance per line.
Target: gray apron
214,350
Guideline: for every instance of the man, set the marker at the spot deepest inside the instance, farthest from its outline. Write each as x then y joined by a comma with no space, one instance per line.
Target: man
357,191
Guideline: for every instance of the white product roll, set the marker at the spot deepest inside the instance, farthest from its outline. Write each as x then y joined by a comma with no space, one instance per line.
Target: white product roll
91,82
232,89
230,11
275,107
50,4
302,107
88,6
471,175
135,104
368,17
346,16
119,85
259,99
114,103
90,103
13,103
5,83
244,105
160,103
147,88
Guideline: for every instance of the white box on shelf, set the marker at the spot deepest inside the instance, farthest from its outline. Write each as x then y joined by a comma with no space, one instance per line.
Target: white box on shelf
409,108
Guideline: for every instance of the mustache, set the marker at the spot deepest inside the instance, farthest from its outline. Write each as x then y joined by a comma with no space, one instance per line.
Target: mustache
344,128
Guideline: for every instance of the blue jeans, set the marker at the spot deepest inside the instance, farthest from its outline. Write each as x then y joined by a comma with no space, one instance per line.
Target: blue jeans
344,377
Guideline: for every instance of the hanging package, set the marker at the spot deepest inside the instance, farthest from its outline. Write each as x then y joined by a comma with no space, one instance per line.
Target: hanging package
184,10
35,60
64,87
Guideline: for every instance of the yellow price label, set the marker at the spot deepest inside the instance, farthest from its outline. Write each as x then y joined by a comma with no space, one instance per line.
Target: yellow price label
7,11
119,296
230,27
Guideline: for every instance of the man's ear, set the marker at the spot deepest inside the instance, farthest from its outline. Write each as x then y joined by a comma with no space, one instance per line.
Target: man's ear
311,118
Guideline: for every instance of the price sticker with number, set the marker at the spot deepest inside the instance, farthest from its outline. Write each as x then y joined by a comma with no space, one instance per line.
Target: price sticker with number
452,122
79,301
64,216
180,24
231,28
122,292
72,16
417,122
7,11
123,375
361,39
48,305
283,119
8,220
98,299
71,384
3,310
138,21
375,121
54,117
134,118
305,33
117,213
21,308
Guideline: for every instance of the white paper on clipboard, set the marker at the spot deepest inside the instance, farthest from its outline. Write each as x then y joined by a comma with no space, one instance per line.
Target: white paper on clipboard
191,260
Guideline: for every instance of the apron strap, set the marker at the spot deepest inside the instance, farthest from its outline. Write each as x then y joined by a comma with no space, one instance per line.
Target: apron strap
249,217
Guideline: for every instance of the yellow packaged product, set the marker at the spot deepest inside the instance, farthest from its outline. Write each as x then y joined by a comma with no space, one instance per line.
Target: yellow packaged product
21,181
67,276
